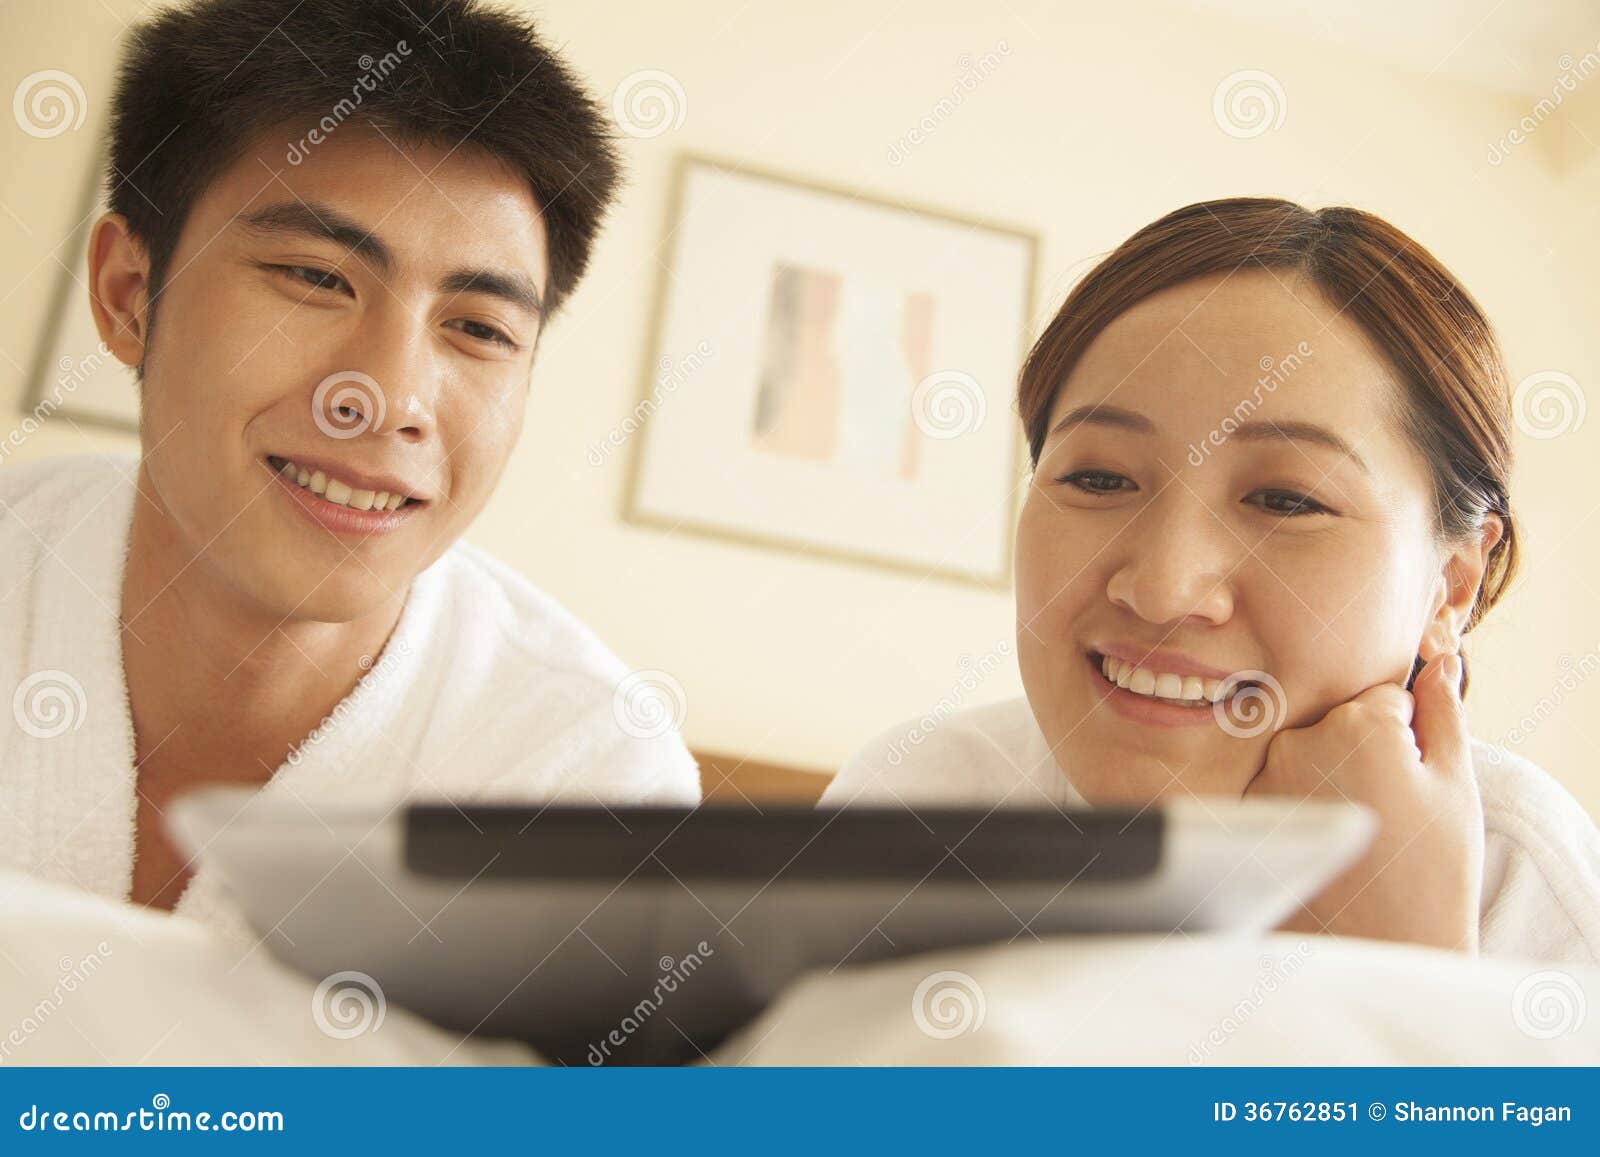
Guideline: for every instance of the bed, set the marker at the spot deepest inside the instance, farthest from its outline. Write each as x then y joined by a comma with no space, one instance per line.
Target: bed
91,981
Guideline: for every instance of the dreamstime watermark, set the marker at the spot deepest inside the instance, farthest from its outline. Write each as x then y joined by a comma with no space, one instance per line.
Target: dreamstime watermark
372,72
1274,973
49,103
673,973
348,1004
1549,1004
1549,404
376,678
948,404
973,672
973,73
1573,673
649,103
160,1117
1572,73
1274,372
1247,711
72,973
339,395
1249,103
648,704
669,378
71,373
48,704
948,1004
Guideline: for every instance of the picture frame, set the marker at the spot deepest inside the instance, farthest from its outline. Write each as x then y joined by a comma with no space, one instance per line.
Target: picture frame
834,374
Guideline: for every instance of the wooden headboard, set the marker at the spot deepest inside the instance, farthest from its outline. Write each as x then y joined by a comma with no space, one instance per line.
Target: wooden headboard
733,779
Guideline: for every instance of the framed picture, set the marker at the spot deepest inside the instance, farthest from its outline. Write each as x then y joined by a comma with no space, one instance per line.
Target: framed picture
835,374
74,376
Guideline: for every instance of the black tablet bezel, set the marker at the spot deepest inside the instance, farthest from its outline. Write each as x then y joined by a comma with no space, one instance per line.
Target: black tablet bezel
572,843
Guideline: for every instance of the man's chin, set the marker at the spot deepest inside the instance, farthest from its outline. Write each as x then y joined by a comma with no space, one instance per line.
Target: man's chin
344,593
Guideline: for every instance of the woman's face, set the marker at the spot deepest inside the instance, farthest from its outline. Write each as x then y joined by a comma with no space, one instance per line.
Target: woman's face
1193,511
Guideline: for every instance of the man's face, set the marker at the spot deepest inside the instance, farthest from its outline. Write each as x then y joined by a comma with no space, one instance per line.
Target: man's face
394,356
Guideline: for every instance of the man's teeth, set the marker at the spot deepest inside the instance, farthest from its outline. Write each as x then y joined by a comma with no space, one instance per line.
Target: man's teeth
1189,690
340,493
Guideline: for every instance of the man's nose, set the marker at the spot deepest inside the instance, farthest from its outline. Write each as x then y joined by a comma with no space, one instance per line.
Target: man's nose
389,393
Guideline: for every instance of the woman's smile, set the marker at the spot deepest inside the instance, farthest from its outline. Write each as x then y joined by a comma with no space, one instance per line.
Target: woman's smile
1159,698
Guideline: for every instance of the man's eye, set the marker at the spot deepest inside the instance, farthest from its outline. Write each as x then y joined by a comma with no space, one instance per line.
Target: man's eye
315,278
482,332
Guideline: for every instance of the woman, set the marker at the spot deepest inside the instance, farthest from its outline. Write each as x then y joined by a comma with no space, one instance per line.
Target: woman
1271,467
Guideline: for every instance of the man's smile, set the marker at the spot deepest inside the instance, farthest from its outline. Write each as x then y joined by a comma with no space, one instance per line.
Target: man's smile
344,501
344,486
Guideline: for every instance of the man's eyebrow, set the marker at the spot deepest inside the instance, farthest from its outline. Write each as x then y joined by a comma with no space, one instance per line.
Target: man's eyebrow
1260,431
313,219
516,288
322,221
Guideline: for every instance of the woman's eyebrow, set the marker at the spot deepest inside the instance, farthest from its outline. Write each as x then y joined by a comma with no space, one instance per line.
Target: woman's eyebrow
1300,432
1258,431
1103,415
324,222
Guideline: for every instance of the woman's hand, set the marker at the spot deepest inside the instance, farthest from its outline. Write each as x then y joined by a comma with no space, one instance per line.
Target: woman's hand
1407,756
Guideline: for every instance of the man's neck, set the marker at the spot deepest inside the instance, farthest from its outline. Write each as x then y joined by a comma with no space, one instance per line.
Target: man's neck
220,686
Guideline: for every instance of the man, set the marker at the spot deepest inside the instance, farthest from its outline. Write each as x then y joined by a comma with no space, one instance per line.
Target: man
337,231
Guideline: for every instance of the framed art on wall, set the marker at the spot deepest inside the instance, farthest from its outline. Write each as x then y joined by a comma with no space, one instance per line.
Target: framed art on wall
834,374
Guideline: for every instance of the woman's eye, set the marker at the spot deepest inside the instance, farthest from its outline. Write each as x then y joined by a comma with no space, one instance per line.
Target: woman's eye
1284,503
482,332
1288,504
315,278
1093,481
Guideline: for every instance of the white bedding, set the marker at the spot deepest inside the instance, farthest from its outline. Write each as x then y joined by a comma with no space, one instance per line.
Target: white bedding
87,981
1181,1000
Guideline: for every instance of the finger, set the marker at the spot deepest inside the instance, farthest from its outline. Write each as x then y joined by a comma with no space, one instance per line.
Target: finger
1440,724
1389,699
1384,699
1264,781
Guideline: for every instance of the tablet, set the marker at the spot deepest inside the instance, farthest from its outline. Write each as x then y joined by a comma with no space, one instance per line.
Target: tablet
647,935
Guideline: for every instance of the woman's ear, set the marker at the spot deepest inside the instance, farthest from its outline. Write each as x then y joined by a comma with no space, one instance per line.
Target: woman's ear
1459,581
119,288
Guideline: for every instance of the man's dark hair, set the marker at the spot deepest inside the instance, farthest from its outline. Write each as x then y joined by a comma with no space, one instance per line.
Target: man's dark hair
200,80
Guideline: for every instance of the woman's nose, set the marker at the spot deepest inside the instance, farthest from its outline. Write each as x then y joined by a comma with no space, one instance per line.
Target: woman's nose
1177,561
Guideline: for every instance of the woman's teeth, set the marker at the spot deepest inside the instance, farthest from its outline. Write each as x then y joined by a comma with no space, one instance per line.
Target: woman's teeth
340,493
1185,690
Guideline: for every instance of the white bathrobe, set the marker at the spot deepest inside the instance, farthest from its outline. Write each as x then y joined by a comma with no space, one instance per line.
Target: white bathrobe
487,688
1541,872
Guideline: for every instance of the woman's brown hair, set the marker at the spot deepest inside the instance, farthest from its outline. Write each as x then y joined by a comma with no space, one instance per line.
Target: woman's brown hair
1456,408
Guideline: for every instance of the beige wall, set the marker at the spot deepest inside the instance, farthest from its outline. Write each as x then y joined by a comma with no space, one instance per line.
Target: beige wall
1094,122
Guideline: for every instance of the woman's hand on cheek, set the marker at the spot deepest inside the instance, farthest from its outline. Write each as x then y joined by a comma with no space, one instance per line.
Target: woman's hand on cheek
1407,756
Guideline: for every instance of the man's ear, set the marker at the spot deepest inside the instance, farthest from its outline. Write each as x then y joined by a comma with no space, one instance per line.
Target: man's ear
1459,580
119,288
